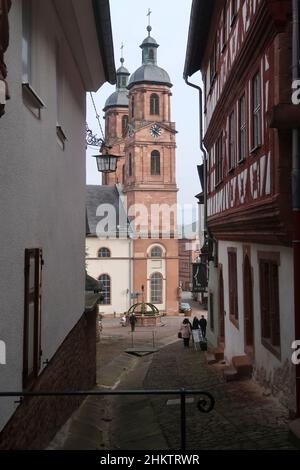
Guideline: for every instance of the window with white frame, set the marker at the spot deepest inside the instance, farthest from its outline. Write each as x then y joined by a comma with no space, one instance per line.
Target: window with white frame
156,252
156,288
232,141
242,129
104,252
256,111
105,283
219,159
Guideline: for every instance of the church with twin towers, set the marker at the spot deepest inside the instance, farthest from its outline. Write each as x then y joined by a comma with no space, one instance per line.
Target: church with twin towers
139,129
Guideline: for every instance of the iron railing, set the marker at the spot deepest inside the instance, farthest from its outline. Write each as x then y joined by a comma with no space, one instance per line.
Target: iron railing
205,403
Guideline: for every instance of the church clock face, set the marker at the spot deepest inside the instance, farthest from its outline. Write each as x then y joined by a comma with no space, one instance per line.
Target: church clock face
155,130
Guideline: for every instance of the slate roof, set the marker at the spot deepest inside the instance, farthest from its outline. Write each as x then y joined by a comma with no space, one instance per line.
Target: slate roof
109,198
118,99
150,73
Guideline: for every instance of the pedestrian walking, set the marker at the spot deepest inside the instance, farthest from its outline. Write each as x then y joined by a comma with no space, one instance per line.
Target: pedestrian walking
203,325
132,321
186,332
195,325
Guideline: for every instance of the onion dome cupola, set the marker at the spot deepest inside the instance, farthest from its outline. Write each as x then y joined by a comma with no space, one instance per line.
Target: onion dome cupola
149,72
119,98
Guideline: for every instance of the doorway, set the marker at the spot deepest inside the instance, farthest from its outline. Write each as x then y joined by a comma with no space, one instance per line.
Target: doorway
248,307
221,310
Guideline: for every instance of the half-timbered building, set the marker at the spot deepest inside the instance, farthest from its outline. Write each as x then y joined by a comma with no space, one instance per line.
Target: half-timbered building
243,49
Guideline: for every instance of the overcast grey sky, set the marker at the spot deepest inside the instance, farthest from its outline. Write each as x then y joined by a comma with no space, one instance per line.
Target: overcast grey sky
170,22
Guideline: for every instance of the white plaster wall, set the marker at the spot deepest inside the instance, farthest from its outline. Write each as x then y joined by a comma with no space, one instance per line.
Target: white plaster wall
117,267
235,337
42,197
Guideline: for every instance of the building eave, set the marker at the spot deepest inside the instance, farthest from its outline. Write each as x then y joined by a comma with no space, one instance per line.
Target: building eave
87,29
200,21
105,38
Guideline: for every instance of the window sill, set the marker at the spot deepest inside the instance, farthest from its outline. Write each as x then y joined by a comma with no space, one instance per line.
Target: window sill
61,137
240,162
32,100
275,350
231,170
255,149
218,183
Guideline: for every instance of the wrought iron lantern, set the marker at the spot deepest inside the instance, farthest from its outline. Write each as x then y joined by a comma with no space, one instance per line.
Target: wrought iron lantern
106,163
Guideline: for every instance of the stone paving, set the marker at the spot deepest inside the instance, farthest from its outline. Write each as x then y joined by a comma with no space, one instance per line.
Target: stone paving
243,418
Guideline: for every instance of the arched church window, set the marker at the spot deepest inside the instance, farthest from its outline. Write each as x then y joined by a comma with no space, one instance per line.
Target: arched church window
105,283
130,165
155,163
154,104
156,252
156,283
104,253
151,54
124,125
132,106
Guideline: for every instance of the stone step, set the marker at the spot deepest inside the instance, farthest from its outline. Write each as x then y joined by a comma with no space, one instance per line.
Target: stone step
211,358
243,365
230,374
219,354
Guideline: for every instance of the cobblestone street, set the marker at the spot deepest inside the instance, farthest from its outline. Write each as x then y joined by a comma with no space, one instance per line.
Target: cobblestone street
243,418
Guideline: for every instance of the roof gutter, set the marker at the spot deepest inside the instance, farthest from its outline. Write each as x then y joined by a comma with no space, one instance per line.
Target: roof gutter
203,150
296,193
105,38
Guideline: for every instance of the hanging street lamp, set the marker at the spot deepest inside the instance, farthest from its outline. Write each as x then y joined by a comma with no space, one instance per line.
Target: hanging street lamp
106,162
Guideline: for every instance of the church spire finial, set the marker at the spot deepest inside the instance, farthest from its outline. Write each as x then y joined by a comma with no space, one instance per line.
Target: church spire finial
149,28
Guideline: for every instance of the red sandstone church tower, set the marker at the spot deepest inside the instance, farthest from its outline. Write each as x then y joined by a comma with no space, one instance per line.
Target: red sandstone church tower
148,173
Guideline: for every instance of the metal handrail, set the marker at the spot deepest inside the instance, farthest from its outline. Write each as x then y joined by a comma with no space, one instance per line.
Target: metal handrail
204,404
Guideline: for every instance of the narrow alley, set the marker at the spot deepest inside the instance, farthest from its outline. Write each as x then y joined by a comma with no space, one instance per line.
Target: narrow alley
245,417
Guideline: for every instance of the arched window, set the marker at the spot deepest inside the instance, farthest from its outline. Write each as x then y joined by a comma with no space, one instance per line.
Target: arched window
155,163
154,104
156,283
105,284
156,252
104,253
132,106
130,165
124,125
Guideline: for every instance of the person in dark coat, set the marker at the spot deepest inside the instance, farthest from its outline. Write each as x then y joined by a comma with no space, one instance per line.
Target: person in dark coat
195,323
203,325
132,321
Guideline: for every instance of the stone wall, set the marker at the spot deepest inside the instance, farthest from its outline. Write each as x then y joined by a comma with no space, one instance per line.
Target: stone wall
73,367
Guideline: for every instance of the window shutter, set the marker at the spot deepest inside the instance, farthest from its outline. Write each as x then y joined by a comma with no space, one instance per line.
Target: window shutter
32,315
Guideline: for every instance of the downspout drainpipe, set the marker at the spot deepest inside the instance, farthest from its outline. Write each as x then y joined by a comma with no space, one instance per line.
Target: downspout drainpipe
296,195
203,150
